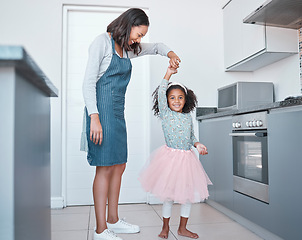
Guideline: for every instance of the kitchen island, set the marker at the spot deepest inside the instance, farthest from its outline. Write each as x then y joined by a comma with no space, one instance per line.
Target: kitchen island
280,218
25,94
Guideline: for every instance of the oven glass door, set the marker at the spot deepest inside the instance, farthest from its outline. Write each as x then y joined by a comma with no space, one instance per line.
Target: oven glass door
250,156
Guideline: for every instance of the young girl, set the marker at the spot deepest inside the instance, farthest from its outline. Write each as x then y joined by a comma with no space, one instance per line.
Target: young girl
174,173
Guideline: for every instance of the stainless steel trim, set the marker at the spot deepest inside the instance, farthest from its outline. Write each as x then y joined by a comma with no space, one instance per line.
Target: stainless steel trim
251,188
277,13
243,118
253,134
222,109
227,86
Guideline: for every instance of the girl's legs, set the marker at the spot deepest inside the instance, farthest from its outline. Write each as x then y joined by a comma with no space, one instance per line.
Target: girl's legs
166,212
184,216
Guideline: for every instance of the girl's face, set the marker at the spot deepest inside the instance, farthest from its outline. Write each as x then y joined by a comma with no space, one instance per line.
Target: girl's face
137,33
176,100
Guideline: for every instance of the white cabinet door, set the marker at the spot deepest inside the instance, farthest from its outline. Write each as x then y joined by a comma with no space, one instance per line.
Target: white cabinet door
241,40
82,25
248,47
232,32
253,36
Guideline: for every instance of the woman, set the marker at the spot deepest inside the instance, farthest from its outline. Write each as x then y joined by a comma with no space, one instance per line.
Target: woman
106,78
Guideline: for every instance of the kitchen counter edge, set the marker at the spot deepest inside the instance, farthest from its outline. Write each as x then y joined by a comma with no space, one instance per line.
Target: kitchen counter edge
17,57
266,107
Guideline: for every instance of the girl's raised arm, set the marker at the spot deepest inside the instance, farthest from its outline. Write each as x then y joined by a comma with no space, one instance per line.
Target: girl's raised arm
162,98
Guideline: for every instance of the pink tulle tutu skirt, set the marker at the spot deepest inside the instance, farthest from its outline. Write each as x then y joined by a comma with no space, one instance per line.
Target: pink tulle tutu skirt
173,174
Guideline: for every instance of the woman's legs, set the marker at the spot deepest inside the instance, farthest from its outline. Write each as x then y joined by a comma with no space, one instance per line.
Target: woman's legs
166,213
106,186
100,194
114,192
184,216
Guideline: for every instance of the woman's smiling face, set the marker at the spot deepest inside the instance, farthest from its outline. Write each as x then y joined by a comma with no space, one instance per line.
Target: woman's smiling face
137,33
176,100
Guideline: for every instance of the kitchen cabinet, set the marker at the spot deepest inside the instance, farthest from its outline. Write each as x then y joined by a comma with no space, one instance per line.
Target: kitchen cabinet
281,217
214,134
285,178
248,47
252,209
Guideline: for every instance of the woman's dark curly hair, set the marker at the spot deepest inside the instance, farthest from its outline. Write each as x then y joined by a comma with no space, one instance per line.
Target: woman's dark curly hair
190,97
120,28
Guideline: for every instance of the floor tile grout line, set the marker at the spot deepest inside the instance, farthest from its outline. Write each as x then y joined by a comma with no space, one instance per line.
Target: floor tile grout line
88,222
157,213
173,235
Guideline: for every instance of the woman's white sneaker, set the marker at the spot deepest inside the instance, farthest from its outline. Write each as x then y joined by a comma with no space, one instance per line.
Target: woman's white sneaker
121,226
107,234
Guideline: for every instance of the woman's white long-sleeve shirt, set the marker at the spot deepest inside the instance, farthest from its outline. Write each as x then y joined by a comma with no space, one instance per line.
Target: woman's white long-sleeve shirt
100,55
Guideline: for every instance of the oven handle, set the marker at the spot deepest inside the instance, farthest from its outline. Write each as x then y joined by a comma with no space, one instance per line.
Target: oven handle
253,134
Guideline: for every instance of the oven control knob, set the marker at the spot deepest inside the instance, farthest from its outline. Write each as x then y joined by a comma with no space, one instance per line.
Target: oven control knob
254,123
238,125
250,123
259,123
234,125
247,124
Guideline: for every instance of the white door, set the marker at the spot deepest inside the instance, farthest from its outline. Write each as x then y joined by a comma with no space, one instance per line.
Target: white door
81,26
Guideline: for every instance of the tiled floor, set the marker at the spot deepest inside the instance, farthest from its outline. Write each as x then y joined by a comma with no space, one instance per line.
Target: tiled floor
77,223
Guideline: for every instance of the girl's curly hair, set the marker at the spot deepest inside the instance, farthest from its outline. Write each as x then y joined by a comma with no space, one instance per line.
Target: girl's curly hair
190,97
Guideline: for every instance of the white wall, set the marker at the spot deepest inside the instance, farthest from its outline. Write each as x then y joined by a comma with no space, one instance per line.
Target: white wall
284,74
192,28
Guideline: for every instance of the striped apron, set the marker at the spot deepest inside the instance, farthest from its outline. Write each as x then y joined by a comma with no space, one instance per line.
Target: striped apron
110,96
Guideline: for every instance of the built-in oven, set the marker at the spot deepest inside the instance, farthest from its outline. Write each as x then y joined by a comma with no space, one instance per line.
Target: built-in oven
250,155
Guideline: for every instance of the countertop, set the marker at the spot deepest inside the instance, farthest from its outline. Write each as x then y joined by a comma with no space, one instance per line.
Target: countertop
295,101
17,57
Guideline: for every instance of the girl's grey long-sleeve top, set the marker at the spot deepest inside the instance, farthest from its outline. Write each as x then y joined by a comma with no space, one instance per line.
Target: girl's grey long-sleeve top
177,126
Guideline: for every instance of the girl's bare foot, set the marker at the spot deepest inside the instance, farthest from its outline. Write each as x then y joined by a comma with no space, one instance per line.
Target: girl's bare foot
186,233
164,232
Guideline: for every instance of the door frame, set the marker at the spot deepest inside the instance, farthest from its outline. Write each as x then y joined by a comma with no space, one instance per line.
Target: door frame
92,8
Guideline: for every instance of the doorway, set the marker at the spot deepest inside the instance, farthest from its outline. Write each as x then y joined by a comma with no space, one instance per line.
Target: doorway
81,25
